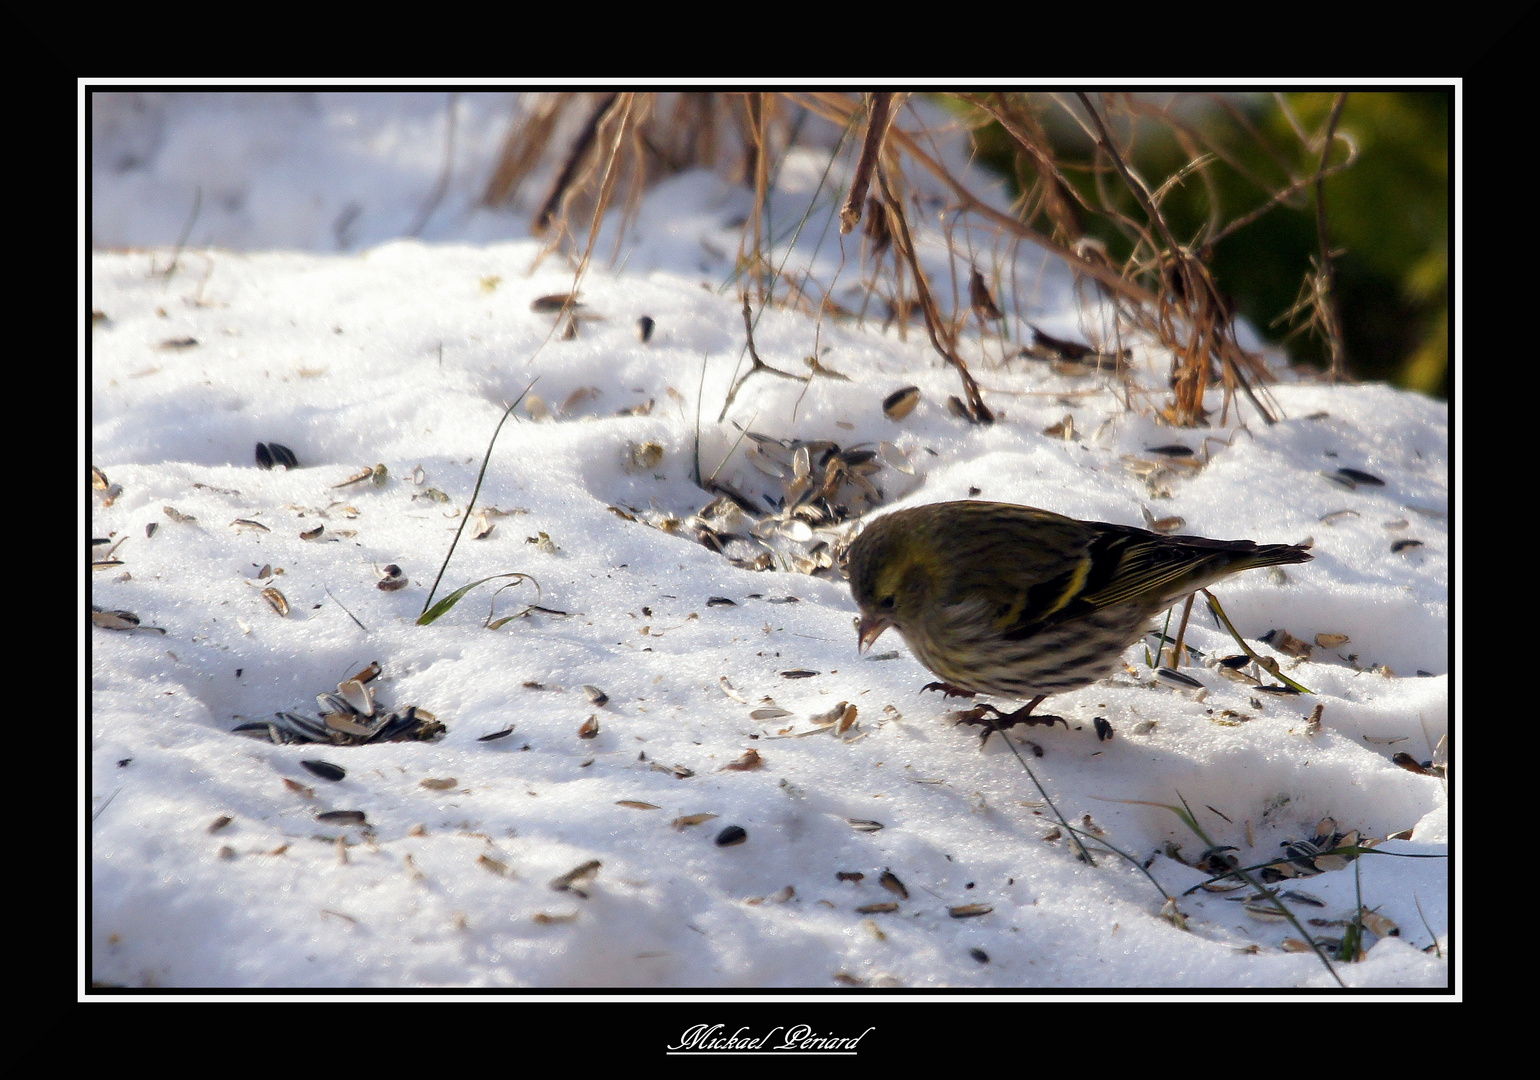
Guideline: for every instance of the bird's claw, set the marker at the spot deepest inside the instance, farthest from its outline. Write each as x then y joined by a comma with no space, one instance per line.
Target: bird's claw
948,690
992,719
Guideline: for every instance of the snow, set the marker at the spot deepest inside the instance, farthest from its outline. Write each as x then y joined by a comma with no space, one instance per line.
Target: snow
355,346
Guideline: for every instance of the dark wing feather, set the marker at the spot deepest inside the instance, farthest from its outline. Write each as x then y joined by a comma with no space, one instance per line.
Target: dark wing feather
1123,565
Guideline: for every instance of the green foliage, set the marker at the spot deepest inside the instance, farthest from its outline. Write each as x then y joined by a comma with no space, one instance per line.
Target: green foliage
1387,213
1390,211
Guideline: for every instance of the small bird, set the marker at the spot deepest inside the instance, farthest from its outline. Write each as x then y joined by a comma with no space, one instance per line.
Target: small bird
1018,602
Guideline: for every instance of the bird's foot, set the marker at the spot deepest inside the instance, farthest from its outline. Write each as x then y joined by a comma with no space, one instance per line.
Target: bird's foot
947,689
992,719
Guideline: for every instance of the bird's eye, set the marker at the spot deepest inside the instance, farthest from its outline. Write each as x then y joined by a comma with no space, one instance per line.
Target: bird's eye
887,602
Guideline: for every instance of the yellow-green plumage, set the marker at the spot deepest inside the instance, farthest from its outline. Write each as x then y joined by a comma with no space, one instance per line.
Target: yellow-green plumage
1019,602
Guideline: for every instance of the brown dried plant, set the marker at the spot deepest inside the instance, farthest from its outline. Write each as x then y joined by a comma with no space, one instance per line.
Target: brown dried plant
588,147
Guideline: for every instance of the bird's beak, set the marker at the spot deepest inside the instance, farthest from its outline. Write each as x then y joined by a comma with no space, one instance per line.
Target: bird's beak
869,629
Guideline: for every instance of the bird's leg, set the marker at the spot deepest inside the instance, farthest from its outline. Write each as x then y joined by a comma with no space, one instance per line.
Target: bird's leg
992,719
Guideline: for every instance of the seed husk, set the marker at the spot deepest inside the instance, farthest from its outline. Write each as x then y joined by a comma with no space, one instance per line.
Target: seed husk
687,820
325,769
577,878
342,817
969,911
554,302
900,403
114,620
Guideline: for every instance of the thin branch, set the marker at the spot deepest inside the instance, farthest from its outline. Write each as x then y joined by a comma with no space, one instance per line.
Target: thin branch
621,107
1085,856
436,196
839,110
575,157
1266,664
181,241
759,173
1210,329
942,341
480,476
758,364
1331,323
1134,184
879,115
